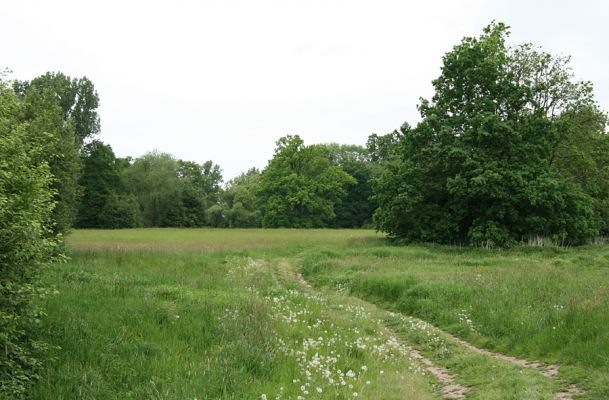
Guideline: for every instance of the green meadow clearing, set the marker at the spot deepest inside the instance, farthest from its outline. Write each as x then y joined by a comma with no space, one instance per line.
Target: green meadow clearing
321,314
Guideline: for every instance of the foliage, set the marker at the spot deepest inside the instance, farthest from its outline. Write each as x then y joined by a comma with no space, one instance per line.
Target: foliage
64,108
578,143
100,179
300,187
121,211
76,97
581,154
356,208
381,148
240,200
216,216
173,192
153,180
476,168
200,187
26,243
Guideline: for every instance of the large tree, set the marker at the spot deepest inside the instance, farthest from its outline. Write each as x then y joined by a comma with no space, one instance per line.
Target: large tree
477,168
173,192
578,145
153,179
300,187
62,112
200,188
76,97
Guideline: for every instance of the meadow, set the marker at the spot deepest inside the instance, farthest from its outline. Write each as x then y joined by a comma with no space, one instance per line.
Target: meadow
321,314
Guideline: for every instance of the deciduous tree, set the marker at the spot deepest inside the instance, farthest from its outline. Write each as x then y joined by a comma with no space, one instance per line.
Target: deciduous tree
476,168
300,187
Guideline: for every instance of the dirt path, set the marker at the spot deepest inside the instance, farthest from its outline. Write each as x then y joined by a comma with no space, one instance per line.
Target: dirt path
453,390
450,389
548,370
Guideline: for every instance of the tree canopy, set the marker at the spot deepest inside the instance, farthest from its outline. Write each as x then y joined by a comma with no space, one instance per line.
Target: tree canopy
478,167
355,209
300,187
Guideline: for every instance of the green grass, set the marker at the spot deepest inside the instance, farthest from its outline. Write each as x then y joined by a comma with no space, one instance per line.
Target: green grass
145,324
537,303
213,240
206,314
220,314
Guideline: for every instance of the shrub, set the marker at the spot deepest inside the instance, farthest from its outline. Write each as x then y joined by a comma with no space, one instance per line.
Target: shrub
26,243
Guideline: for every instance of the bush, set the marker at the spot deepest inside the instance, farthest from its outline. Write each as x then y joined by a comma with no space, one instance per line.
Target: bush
26,243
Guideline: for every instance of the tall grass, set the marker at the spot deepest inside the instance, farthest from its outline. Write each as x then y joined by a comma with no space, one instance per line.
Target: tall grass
181,314
149,324
209,314
539,303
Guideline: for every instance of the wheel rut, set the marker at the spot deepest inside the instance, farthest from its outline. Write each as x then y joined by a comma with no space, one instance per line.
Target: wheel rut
450,389
453,390
548,370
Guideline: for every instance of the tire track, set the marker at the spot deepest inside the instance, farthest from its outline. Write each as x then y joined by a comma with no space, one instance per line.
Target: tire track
550,371
455,391
451,389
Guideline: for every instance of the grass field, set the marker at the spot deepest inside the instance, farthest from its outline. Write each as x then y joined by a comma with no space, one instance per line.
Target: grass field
225,314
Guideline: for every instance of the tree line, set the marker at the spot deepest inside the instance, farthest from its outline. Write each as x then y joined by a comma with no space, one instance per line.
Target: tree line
315,186
510,148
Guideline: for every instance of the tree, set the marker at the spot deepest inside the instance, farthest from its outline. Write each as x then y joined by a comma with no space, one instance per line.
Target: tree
59,148
240,200
26,244
173,192
382,148
153,179
100,179
65,109
200,185
356,208
193,195
476,168
76,97
300,187
216,216
121,211
578,144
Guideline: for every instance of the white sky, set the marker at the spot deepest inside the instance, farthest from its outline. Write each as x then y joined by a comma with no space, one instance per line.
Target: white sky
223,80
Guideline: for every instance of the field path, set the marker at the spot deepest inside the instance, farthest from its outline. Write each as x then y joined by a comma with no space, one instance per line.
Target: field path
548,370
450,388
454,388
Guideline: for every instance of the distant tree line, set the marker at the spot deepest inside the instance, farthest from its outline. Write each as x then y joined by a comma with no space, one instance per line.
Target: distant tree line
303,186
510,148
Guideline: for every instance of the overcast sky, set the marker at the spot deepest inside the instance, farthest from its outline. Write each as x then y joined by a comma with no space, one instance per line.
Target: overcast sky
223,80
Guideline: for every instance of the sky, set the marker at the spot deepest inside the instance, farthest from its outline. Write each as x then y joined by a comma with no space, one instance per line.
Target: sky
223,80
